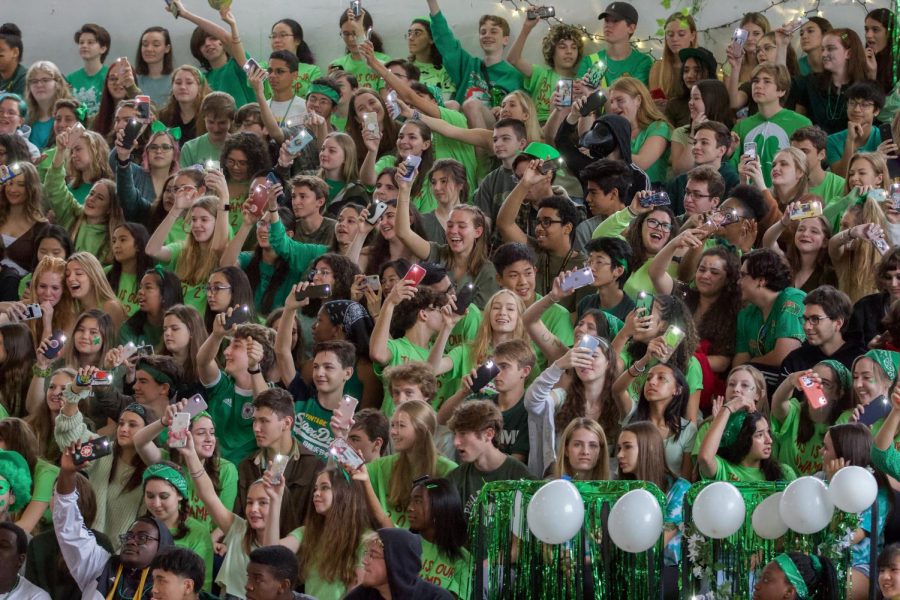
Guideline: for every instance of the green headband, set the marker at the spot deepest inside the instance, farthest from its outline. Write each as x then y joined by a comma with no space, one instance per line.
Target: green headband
168,474
202,413
792,573
157,375
733,428
318,88
842,372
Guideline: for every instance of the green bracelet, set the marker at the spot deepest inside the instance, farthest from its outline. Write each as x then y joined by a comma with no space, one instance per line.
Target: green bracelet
39,372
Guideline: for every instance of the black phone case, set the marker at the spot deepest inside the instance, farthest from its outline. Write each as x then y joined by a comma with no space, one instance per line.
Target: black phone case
92,450
132,130
314,291
237,317
483,376
464,299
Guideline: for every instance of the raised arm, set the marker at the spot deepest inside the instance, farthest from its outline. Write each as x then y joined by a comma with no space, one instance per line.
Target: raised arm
781,399
515,51
256,78
231,255
155,247
284,358
412,240
550,346
207,367
143,439
215,183
379,351
437,360
506,216
404,92
226,36
221,515
706,458
659,266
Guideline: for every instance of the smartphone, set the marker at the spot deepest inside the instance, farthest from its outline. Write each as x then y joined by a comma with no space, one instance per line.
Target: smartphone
238,315
806,210
77,131
132,131
392,105
370,123
656,199
594,103
673,336
887,134
415,274
373,282
344,411
55,344
881,245
32,311
793,26
98,378
566,90
12,171
724,218
314,291
409,167
368,34
299,141
464,298
644,301
875,410
356,8
145,350
484,375
173,8
178,431
813,392
142,106
345,455
257,200
279,464
195,405
750,149
594,76
739,38
895,195
252,64
376,210
272,178
212,165
877,194
544,12
92,450
578,279
548,166
590,342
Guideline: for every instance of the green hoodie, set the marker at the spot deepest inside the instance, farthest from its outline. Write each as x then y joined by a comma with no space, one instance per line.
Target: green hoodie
93,238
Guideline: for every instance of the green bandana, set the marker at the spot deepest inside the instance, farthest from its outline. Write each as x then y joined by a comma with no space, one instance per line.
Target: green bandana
326,91
793,574
733,428
168,474
840,370
202,413
137,409
887,360
157,375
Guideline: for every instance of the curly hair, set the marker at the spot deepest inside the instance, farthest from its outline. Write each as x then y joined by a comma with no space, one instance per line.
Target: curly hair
258,157
768,265
343,270
557,34
98,168
407,312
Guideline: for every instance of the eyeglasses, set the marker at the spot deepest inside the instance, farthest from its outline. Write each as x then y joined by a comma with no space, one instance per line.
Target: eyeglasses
9,113
184,188
348,35
279,36
657,224
321,272
596,262
160,147
546,222
42,81
693,194
860,104
141,539
815,319
414,33
215,289
232,162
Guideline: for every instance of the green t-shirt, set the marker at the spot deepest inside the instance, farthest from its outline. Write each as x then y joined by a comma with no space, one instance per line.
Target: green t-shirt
45,474
805,458
197,151
831,188
835,146
199,541
430,75
231,79
640,281
466,328
127,292
366,77
726,471
657,171
402,351
194,294
462,152
770,136
469,480
306,74
317,587
424,201
266,273
231,409
339,122
380,471
312,426
758,337
228,484
540,86
88,89
637,65
445,572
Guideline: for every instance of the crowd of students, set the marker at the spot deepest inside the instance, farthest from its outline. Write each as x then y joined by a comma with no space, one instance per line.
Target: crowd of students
603,266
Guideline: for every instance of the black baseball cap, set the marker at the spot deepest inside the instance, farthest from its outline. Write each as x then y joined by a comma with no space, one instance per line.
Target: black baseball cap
620,11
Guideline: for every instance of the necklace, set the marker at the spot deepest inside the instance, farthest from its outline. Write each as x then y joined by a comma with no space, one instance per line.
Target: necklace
834,113
9,593
286,112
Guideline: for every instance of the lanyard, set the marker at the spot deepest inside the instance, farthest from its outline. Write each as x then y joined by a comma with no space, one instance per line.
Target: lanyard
286,112
140,589
547,280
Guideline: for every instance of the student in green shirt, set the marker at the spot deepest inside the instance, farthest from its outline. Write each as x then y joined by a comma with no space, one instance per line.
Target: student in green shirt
618,59
813,141
864,101
738,446
562,49
425,56
217,113
159,291
650,130
129,262
355,31
287,34
165,498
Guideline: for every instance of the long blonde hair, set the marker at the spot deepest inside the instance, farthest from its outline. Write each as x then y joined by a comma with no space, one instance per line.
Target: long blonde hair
419,460
62,88
115,216
670,70
647,112
857,267
198,260
601,469
532,126
350,168
170,114
878,163
802,167
33,195
99,166
101,291
480,347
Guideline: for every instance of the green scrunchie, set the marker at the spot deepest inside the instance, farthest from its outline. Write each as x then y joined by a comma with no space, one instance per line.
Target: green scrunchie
168,474
326,91
792,573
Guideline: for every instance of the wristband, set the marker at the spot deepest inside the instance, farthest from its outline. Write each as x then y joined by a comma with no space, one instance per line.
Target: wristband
197,474
725,406
635,367
39,372
255,371
273,210
226,207
71,397
416,115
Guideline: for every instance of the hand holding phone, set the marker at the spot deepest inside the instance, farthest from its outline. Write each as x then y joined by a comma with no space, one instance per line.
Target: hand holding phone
464,298
239,315
92,450
178,430
313,291
812,389
415,274
577,279
484,375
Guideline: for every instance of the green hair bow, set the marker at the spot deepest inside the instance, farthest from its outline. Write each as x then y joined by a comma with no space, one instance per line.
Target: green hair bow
81,111
160,127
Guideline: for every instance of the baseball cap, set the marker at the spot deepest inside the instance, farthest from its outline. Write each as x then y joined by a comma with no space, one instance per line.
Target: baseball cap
620,11
539,151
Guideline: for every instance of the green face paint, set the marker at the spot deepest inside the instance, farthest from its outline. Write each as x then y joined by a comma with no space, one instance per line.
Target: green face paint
97,340
4,490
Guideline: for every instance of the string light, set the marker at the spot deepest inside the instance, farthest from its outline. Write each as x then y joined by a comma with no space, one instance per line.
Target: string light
652,43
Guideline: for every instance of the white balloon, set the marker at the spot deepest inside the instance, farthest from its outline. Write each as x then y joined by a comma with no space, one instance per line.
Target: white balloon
556,512
635,521
853,489
766,519
806,506
719,510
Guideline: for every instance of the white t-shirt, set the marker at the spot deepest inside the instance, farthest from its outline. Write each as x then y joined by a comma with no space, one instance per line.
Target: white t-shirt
291,110
25,590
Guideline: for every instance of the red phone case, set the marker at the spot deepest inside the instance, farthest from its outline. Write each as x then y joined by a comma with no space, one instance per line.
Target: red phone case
415,274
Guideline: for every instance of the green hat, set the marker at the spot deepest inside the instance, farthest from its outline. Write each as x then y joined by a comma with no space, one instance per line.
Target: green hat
425,19
539,151
842,372
733,428
15,471
169,474
888,361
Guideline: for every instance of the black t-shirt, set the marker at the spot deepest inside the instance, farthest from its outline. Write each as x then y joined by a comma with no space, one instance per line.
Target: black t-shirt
807,356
